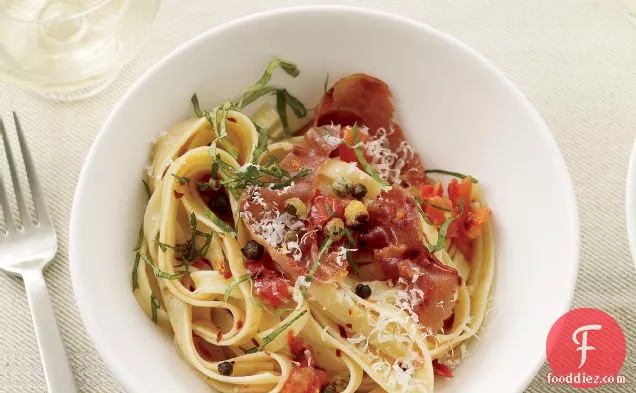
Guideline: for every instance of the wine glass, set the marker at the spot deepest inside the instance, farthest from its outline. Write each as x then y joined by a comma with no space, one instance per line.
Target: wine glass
70,49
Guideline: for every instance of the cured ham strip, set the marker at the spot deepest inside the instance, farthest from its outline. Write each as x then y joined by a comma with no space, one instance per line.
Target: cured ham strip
395,235
365,100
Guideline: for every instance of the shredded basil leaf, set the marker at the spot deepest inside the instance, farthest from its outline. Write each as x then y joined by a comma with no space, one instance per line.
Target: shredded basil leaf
154,306
325,246
281,108
234,284
135,279
329,210
261,146
454,174
270,337
219,223
295,104
441,239
221,131
352,262
326,85
423,214
363,161
181,179
155,270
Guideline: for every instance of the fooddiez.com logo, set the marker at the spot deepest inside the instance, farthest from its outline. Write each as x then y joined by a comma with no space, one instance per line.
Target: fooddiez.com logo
586,348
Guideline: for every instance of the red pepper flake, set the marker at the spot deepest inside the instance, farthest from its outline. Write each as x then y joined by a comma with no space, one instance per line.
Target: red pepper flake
441,369
349,326
338,353
239,324
231,119
350,312
255,342
177,194
343,332
219,335
227,274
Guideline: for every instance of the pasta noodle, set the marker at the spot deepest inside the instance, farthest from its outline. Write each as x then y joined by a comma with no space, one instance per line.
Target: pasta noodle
319,262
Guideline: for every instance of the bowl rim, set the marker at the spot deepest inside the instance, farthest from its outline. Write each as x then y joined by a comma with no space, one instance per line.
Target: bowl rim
79,288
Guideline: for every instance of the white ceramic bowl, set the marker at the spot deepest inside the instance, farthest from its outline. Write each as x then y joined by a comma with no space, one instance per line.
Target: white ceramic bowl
456,108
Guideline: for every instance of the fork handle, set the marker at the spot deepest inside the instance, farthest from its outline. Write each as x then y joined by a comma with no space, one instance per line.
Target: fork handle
57,371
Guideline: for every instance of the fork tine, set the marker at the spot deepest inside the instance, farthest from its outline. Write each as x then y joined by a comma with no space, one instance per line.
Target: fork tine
36,193
6,209
24,213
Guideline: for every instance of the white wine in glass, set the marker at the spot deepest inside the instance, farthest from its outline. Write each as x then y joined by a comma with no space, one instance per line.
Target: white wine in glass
70,49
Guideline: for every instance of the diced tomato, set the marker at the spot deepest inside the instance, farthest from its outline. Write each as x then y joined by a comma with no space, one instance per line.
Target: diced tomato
429,190
474,221
318,212
269,285
303,379
441,369
301,352
461,192
437,216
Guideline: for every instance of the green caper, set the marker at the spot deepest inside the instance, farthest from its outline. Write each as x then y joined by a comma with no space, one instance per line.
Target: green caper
356,214
334,229
296,207
359,190
253,250
225,368
342,186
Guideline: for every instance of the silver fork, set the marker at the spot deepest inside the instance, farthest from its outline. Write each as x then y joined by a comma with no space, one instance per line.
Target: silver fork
26,250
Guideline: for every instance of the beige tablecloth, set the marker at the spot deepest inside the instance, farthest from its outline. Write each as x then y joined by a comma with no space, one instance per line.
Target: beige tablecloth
574,59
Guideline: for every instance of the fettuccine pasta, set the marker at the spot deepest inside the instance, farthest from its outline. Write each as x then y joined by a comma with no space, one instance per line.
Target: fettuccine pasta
321,260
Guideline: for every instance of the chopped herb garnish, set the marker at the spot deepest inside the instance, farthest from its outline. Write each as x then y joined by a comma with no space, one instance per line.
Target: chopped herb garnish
329,210
261,146
181,179
270,337
349,236
281,108
279,186
155,270
349,254
147,188
441,239
424,216
140,237
449,173
154,306
135,279
363,161
225,228
326,85
423,202
352,262
289,67
314,268
236,282
221,131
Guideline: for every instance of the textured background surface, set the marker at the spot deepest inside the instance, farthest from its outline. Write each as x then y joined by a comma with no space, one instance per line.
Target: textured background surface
574,59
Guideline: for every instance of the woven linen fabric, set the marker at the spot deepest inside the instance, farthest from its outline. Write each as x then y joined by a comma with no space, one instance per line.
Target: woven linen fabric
574,59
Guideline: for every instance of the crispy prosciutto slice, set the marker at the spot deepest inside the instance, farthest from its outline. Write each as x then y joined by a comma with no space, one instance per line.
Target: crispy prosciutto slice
263,212
365,100
395,235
